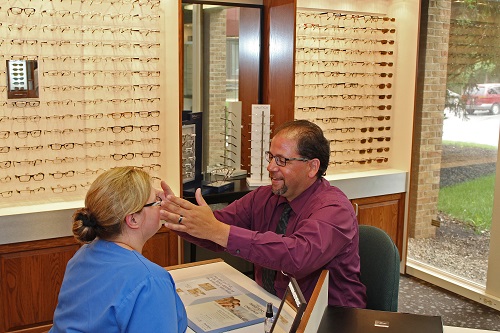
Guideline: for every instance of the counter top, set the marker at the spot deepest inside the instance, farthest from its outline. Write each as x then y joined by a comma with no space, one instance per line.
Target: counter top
53,220
371,183
23,224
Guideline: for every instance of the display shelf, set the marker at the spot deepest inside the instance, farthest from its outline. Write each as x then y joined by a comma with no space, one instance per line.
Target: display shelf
98,76
344,74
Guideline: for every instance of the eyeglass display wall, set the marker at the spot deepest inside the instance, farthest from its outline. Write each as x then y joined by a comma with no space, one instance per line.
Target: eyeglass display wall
345,65
99,95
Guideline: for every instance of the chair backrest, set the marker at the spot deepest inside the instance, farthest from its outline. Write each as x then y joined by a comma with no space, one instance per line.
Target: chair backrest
379,259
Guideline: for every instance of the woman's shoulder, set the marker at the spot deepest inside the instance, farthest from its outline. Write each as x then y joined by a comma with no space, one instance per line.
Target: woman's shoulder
152,269
134,265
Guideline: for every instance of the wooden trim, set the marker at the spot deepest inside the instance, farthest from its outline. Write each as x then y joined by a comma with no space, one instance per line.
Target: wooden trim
278,70
191,264
38,245
38,329
401,222
250,86
312,302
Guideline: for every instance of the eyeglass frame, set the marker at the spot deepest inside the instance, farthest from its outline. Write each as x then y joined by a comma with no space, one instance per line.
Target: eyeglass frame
281,161
153,204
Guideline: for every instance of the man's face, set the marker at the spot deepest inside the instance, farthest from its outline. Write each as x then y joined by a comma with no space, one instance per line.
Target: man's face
291,180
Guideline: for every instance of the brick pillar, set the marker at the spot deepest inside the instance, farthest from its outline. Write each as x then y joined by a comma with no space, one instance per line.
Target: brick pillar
429,114
217,85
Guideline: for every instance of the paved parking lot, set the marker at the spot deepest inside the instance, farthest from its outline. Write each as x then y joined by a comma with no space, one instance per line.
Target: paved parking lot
480,127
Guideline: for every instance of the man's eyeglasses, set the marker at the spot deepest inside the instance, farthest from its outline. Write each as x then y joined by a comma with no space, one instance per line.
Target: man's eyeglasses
281,161
19,11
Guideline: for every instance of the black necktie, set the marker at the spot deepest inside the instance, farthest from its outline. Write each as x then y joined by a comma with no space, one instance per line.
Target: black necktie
269,275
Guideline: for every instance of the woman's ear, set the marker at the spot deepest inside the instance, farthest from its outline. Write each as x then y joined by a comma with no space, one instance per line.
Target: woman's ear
131,222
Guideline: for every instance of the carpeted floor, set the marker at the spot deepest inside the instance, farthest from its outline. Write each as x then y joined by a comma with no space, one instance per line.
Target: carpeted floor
419,297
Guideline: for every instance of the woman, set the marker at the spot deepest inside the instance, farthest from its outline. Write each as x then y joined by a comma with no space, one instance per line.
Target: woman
109,286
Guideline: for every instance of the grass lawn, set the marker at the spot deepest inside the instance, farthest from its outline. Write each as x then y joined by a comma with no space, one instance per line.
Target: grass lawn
470,201
468,144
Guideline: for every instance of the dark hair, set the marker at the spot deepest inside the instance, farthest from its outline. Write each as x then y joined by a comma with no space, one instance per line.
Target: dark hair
311,142
112,196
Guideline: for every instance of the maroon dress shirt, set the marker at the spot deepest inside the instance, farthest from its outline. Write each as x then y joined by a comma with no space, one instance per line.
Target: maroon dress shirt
322,233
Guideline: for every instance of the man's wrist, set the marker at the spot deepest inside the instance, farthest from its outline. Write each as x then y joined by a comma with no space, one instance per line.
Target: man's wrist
221,235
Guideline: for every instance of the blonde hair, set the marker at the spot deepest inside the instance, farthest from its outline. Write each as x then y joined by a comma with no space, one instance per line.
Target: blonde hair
114,194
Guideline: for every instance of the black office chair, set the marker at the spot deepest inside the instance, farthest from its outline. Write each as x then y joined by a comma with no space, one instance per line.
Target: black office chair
379,268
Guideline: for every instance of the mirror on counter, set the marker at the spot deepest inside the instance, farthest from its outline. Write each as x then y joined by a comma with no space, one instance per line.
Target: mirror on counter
22,79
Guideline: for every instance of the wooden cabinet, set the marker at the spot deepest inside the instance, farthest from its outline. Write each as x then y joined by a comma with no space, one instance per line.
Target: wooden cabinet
31,274
385,212
162,248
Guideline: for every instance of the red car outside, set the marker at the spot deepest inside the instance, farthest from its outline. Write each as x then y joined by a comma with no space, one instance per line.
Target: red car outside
484,97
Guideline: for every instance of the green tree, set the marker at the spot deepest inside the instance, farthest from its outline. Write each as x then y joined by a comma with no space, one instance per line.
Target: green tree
474,48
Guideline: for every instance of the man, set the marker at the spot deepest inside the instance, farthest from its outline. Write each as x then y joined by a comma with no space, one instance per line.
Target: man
321,233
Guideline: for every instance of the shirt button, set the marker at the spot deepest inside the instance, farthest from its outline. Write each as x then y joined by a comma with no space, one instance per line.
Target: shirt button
237,251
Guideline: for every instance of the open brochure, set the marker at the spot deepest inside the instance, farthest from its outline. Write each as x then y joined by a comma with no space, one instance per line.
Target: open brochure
216,304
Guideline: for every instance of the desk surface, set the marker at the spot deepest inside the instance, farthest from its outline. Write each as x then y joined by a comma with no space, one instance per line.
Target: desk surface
189,271
181,272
